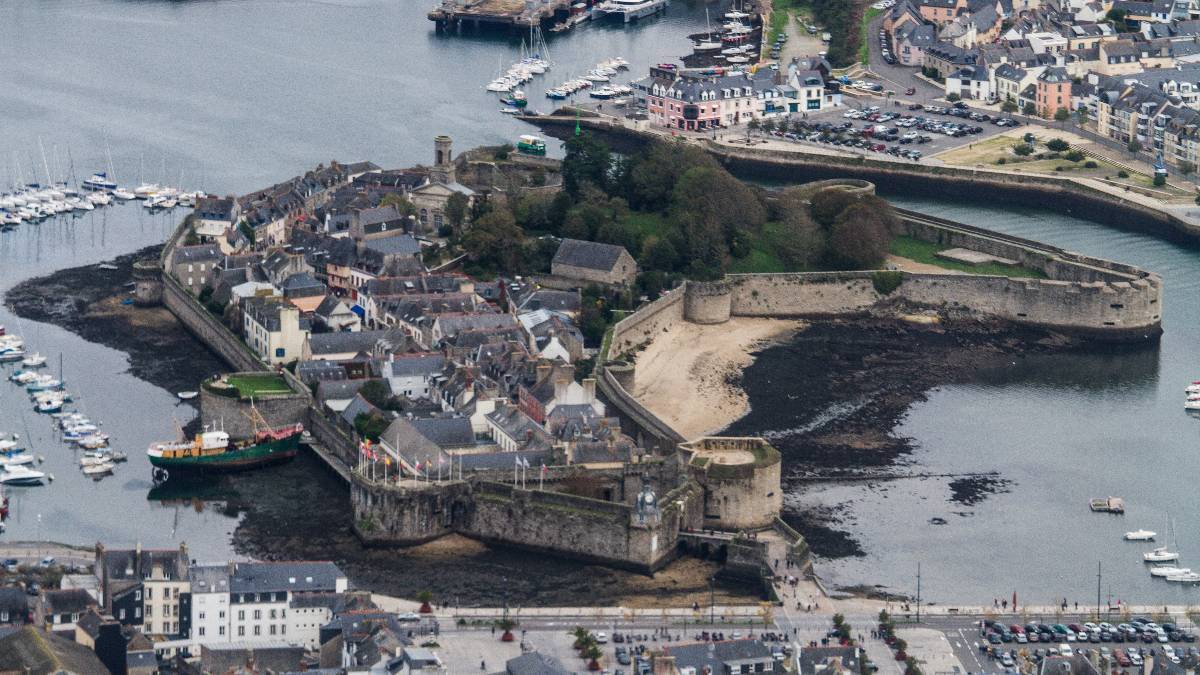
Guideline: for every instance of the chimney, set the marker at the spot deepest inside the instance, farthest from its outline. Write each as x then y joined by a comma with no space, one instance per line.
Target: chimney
589,389
560,390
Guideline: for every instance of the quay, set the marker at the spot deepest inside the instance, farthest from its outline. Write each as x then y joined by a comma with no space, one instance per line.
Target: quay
453,14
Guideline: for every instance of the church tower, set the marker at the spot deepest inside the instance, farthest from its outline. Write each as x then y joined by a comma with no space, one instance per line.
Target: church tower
443,166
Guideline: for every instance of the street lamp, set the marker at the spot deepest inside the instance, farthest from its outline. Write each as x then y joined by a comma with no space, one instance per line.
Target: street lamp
712,600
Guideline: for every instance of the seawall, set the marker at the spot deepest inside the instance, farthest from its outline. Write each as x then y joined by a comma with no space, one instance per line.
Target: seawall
1061,194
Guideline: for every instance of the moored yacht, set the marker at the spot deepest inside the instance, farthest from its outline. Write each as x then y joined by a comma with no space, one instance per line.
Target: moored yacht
1140,535
1160,554
1168,570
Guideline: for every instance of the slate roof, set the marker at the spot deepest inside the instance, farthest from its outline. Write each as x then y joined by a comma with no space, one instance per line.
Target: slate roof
810,658
451,432
15,602
209,578
319,370
548,298
198,253
1007,71
215,208
361,341
31,650
417,364
232,656
302,285
403,244
1054,76
535,663
358,406
266,577
338,389
587,254
715,655
70,601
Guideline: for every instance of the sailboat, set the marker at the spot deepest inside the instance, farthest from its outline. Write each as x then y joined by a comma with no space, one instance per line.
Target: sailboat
1161,554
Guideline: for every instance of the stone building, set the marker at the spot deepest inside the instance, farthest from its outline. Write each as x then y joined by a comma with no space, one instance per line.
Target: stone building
193,265
589,261
741,481
432,197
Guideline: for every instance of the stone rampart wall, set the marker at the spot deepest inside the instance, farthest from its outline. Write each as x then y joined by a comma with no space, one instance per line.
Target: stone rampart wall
644,324
235,417
207,328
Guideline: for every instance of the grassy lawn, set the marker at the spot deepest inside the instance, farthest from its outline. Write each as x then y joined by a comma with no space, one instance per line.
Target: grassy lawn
925,252
257,385
987,152
764,256
646,224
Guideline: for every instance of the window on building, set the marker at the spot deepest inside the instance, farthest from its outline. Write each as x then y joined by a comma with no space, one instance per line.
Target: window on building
279,352
241,631
272,629
201,615
137,595
257,629
272,614
257,614
241,615
201,631
220,630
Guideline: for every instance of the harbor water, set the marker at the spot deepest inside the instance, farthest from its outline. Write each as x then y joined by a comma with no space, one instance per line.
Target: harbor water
231,96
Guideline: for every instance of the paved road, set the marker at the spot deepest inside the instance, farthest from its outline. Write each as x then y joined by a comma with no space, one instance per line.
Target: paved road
896,77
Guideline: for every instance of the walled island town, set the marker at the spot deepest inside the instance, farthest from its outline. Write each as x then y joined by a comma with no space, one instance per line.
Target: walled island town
612,336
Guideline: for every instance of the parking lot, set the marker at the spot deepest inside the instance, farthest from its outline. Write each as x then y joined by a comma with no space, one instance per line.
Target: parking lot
911,132
1002,648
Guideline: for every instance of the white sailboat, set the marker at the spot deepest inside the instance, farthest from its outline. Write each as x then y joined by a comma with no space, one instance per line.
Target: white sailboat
1168,570
1140,535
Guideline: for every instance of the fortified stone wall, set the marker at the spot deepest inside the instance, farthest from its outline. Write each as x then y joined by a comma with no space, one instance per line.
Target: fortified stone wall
552,522
206,327
644,324
806,294
235,416
707,302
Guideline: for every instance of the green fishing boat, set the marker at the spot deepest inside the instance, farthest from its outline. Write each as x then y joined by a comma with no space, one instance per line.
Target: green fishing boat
213,451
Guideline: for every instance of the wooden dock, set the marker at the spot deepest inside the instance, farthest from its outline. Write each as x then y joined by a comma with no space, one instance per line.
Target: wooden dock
452,14
1107,505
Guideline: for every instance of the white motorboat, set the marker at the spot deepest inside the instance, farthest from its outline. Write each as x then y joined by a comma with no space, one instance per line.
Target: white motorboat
21,475
34,360
100,198
1140,535
1185,578
1193,403
187,395
98,469
92,459
92,441
1160,554
15,459
156,201
1168,570
123,194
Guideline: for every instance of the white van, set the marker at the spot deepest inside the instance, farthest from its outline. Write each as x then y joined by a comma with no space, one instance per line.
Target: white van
1064,650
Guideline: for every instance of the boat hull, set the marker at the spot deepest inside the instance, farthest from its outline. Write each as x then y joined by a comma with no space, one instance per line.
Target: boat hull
240,459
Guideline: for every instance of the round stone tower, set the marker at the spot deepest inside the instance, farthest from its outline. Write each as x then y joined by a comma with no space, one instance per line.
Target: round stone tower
147,282
707,302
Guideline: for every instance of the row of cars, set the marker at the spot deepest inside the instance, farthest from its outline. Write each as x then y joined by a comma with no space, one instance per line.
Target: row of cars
869,143
1137,629
960,109
885,47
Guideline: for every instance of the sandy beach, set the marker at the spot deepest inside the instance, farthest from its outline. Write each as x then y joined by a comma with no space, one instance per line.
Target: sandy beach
688,375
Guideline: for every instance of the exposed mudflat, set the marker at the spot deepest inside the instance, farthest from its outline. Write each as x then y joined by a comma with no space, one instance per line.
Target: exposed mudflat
830,397
87,301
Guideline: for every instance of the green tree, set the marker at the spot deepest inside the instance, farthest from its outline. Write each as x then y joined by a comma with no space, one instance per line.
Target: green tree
456,209
377,393
1159,180
534,212
404,207
714,192
952,97
828,203
658,253
495,242
1135,146
754,124
859,238
1008,107
1023,149
804,241
1187,168
1058,145
587,162
767,125
370,426
654,172
1061,115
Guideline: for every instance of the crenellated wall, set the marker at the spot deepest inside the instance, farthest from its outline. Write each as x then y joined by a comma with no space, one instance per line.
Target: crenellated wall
644,324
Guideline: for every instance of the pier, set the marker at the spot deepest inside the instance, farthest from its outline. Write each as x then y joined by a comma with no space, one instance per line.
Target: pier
452,14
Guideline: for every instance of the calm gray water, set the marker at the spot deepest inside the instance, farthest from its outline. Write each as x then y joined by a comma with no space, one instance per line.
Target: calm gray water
1062,429
239,94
